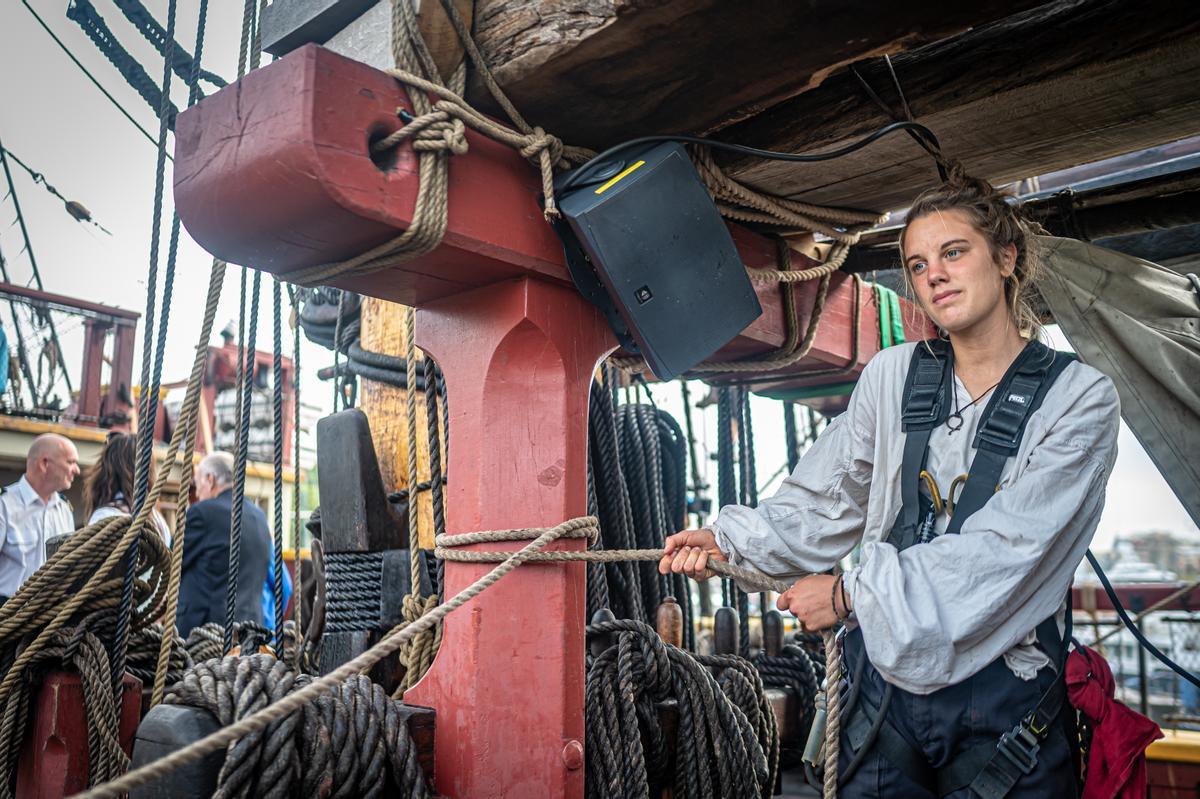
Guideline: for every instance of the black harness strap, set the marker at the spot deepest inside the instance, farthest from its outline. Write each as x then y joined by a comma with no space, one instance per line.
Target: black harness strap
1019,394
927,397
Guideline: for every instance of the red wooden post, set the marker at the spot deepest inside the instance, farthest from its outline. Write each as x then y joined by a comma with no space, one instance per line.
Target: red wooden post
508,680
120,381
95,334
54,755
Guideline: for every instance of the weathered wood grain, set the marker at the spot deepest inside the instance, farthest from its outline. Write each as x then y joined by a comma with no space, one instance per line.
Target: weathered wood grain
599,71
1049,88
385,407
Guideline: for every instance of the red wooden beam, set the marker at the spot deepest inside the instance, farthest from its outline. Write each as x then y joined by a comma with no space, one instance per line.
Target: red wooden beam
276,174
72,305
1135,597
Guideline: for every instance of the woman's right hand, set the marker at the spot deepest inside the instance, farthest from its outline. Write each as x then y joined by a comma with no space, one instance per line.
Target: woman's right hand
689,552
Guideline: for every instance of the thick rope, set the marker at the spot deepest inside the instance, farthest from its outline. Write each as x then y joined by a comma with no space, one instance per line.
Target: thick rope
148,408
246,396
297,582
417,655
277,461
445,549
833,723
727,741
298,699
585,527
352,739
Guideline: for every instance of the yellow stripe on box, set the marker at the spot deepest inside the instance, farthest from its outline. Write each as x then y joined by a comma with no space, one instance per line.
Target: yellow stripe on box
625,172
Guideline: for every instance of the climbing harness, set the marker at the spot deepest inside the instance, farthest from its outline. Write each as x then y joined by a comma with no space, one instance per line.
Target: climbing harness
990,769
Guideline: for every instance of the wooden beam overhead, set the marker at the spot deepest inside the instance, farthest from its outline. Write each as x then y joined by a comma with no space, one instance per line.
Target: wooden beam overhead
596,71
1041,90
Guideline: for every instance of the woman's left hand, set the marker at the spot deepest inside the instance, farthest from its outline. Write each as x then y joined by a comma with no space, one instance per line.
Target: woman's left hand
809,601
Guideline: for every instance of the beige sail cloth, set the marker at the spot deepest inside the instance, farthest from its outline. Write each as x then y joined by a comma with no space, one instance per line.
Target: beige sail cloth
1138,323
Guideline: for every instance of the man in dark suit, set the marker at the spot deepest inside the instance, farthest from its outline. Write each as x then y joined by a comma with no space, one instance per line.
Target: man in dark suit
205,575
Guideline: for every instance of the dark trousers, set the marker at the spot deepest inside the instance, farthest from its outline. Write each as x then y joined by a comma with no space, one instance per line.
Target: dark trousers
949,721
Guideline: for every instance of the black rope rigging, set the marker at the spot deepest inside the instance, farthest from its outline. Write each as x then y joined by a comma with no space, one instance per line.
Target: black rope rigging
612,507
77,210
148,407
84,14
436,474
148,26
277,451
790,436
730,479
637,486
795,669
22,350
747,496
239,472
351,742
727,742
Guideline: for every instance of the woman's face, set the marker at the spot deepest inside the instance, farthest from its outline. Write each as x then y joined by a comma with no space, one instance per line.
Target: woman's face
954,273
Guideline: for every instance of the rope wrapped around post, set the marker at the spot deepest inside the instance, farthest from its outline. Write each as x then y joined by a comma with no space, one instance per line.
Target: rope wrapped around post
582,527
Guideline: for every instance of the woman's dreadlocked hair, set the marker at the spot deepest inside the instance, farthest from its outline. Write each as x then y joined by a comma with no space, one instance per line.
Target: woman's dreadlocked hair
999,217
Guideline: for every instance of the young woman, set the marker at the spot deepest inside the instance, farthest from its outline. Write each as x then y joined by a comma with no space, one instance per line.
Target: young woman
109,487
956,620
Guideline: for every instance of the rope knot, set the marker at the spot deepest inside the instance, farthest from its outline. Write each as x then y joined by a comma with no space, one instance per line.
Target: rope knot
439,132
548,150
539,142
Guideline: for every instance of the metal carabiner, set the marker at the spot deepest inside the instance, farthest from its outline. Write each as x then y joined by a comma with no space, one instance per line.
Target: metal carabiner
952,495
934,495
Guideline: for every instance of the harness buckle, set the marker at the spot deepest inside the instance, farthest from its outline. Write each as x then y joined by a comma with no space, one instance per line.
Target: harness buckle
1035,724
1020,746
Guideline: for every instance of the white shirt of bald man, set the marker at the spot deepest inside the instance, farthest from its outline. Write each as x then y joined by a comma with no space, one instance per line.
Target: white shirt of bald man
26,519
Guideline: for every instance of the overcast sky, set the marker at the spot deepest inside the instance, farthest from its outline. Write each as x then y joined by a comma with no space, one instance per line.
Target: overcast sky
62,126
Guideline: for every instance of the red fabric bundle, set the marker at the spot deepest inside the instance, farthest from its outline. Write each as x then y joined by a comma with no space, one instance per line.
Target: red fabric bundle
1117,758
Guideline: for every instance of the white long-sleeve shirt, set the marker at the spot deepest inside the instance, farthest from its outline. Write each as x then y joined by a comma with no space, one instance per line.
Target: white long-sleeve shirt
939,612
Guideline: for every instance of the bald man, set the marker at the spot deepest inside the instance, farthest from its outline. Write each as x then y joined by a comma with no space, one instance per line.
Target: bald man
32,509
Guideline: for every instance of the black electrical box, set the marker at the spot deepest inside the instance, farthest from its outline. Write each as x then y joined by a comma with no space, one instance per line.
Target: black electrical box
646,244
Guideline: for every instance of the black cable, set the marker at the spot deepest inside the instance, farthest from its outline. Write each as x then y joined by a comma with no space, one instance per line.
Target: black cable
1132,626
37,275
90,76
579,174
869,742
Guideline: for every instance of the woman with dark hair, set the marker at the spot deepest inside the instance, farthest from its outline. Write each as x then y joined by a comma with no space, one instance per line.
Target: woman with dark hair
971,470
108,488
